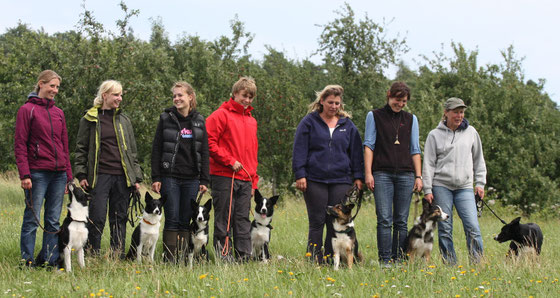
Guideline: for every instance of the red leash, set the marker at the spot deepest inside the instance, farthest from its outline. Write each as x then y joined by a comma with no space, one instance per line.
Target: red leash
225,249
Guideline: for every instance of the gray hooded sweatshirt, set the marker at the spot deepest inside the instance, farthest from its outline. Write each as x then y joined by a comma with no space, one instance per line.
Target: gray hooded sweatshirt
453,159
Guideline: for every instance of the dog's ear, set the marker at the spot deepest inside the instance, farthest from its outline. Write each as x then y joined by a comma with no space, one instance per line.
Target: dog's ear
194,205
274,199
516,221
71,187
148,197
258,195
426,205
331,212
208,205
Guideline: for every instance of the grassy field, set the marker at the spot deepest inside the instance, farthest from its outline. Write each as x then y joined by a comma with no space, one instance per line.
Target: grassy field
289,273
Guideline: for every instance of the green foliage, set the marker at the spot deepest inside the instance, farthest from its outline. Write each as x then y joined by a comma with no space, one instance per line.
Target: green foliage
518,123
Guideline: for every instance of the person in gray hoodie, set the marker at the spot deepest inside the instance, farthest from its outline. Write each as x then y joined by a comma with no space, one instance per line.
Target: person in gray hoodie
453,161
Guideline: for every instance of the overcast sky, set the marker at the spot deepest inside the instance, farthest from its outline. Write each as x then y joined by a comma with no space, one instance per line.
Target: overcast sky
290,26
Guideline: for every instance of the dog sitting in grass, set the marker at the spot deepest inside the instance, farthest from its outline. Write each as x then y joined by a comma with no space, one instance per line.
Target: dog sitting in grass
420,239
344,241
145,236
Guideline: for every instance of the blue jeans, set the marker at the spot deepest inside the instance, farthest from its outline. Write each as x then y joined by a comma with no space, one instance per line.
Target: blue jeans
393,193
48,186
464,202
177,208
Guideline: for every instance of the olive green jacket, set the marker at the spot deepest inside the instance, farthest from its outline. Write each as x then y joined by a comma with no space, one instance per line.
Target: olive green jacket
88,145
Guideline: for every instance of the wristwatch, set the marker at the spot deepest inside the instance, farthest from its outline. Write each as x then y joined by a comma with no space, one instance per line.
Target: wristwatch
418,177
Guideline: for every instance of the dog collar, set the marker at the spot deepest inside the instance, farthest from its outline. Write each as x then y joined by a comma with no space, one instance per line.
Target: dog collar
268,226
143,219
347,231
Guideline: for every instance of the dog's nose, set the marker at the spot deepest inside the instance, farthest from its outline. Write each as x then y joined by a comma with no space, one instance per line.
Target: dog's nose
263,210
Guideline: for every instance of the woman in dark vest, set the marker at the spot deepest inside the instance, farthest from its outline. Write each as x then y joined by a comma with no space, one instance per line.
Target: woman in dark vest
180,166
392,169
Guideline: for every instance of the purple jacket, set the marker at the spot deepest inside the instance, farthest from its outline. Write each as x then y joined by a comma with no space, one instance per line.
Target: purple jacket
41,138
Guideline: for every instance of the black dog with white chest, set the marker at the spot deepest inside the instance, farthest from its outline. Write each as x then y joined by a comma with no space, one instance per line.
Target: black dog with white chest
146,234
198,231
261,227
523,237
74,233
420,239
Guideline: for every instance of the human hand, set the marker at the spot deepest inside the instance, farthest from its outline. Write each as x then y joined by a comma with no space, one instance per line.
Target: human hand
84,184
301,184
137,185
418,184
26,183
156,187
202,188
370,182
358,184
429,197
479,191
237,166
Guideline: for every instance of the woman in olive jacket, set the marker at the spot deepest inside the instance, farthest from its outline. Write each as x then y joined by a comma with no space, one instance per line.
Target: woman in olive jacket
106,164
180,166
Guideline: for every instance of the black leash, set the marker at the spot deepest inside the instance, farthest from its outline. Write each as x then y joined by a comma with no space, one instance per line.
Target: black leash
135,208
35,216
416,201
354,196
479,205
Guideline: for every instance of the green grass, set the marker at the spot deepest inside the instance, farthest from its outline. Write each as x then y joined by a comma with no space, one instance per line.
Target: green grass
290,274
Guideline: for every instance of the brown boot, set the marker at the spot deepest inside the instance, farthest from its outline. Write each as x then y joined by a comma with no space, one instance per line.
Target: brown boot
170,246
182,246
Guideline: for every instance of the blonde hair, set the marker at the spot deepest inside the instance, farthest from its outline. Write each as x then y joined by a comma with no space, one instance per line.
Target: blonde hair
245,83
46,76
190,91
109,86
329,90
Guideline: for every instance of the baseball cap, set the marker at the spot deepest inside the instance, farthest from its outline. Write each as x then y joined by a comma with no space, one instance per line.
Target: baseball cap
453,103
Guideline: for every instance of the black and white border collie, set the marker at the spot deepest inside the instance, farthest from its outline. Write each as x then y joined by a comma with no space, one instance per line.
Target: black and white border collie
198,231
344,241
146,234
420,239
74,233
260,227
525,238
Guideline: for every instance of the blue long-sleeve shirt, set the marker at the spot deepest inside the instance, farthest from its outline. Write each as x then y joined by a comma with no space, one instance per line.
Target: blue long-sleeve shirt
371,134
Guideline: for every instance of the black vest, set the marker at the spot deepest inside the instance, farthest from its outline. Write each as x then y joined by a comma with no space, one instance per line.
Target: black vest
388,156
171,135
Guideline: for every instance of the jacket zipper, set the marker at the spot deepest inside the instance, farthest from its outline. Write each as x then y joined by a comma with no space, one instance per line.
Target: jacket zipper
52,140
123,163
177,140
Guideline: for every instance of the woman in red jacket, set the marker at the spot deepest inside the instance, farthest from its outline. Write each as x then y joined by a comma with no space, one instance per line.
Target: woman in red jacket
41,149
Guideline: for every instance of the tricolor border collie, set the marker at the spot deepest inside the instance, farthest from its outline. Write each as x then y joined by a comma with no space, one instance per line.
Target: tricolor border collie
261,227
525,238
420,239
146,234
198,231
344,241
74,233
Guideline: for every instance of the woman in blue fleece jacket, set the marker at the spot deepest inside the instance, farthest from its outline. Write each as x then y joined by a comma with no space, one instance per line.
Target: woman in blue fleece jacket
327,159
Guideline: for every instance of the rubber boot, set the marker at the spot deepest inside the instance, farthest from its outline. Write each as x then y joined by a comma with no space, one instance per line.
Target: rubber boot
170,246
182,246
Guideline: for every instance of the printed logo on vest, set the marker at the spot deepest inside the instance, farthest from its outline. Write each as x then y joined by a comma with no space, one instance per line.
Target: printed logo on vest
186,133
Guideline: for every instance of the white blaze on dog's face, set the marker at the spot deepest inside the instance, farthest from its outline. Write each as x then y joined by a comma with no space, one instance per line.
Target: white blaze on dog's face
444,216
200,214
263,210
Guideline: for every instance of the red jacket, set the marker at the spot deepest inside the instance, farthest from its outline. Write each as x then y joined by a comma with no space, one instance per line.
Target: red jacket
232,136
41,138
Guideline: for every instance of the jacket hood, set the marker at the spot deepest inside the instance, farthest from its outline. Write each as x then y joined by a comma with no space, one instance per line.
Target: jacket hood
236,107
464,125
34,98
93,113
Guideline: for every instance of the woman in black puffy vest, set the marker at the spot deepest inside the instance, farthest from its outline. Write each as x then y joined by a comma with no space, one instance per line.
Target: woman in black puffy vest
180,166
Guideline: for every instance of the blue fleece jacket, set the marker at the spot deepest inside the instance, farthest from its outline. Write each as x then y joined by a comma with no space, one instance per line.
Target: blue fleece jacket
320,157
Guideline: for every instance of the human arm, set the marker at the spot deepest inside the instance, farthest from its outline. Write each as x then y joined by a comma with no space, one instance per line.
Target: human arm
134,156
429,165
370,136
416,163
81,152
216,125
415,152
21,138
356,153
479,165
157,148
64,138
300,152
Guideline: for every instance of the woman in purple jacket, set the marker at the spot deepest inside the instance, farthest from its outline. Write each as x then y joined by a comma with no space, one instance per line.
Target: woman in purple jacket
41,149
327,159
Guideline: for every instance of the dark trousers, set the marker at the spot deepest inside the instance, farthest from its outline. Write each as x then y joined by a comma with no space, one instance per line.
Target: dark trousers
317,197
111,188
240,226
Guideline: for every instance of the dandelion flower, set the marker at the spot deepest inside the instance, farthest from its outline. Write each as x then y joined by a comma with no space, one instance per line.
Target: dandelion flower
308,254
432,266
203,276
245,279
290,293
290,273
137,288
279,271
453,278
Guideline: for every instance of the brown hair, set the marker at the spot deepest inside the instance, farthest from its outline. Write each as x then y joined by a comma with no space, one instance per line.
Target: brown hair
245,83
399,90
190,91
46,76
329,90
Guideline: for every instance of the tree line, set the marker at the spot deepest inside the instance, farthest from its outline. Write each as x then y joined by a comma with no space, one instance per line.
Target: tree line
518,122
